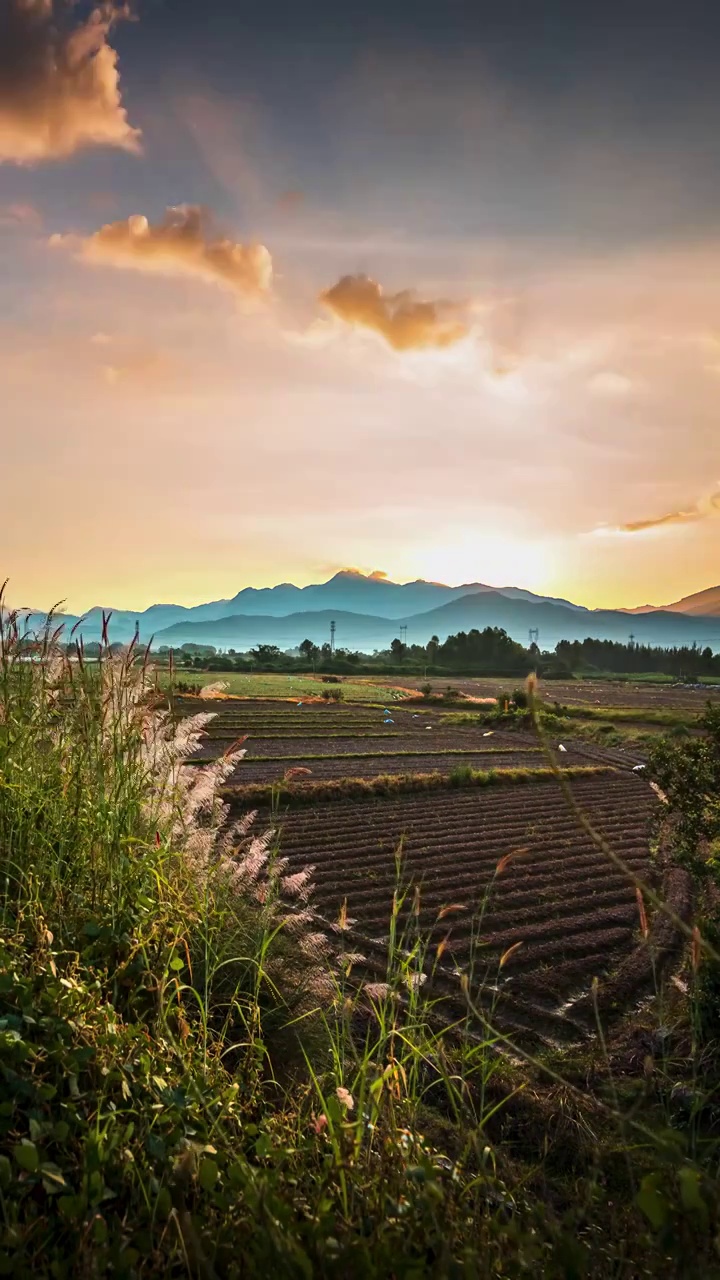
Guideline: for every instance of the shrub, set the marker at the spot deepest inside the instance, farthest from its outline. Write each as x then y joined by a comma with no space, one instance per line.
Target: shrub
519,699
426,690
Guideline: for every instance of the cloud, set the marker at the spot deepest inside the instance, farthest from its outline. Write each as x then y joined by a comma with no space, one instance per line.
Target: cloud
14,217
704,508
378,574
404,323
59,83
181,245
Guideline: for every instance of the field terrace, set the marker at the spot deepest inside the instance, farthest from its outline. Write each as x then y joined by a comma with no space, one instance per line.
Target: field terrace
337,741
483,870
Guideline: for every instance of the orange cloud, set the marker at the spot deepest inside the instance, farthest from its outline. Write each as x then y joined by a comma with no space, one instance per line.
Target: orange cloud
404,323
706,507
378,574
181,245
59,83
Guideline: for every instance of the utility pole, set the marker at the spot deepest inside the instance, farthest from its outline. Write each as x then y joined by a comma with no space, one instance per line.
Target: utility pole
332,638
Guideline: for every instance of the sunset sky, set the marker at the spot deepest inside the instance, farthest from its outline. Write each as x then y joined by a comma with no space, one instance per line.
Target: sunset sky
288,288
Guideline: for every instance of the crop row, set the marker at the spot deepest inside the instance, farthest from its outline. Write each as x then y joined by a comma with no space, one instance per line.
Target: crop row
573,913
249,771
606,797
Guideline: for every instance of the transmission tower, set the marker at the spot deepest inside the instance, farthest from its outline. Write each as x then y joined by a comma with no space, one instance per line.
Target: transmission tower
403,635
632,639
533,635
332,638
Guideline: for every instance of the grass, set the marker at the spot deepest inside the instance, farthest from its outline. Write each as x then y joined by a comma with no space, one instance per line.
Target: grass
637,715
197,1081
268,684
373,755
257,795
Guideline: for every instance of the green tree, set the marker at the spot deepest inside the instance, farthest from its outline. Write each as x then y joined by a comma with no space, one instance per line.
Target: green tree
309,651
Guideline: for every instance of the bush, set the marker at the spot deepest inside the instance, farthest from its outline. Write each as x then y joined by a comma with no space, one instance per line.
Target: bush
519,699
426,690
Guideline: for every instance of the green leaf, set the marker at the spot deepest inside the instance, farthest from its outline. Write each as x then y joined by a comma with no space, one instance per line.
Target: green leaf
26,1155
263,1146
53,1178
690,1194
91,929
208,1173
71,1206
163,1204
61,1131
176,963
652,1203
99,1229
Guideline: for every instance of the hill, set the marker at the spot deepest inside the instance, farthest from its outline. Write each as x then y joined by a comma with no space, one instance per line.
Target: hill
369,611
479,609
706,603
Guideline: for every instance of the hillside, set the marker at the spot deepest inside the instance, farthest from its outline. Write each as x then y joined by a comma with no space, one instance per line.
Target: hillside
369,611
705,603
480,609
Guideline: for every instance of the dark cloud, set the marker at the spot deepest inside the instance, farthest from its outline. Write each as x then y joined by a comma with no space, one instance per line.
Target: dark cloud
59,83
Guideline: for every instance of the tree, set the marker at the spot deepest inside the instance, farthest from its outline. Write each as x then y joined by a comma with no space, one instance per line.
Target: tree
397,649
309,651
433,645
265,653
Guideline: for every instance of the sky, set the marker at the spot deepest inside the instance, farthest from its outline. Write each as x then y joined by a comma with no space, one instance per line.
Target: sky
432,291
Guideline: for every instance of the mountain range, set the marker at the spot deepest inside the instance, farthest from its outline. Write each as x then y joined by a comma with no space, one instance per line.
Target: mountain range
369,611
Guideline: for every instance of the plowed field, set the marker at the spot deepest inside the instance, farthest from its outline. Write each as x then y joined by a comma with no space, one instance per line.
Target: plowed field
337,742
574,913
593,693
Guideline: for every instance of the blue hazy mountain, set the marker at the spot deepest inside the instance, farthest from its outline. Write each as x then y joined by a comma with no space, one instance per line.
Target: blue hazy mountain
369,610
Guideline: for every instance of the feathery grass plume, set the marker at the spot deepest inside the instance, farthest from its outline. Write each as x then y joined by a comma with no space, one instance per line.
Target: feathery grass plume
507,858
451,907
506,955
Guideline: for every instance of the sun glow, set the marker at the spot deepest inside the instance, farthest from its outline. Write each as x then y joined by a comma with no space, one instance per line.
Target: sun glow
494,559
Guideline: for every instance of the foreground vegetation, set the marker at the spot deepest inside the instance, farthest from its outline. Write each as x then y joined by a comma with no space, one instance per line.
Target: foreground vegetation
195,1080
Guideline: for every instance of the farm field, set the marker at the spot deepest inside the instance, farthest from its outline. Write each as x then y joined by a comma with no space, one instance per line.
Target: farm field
570,915
637,695
338,741
269,684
